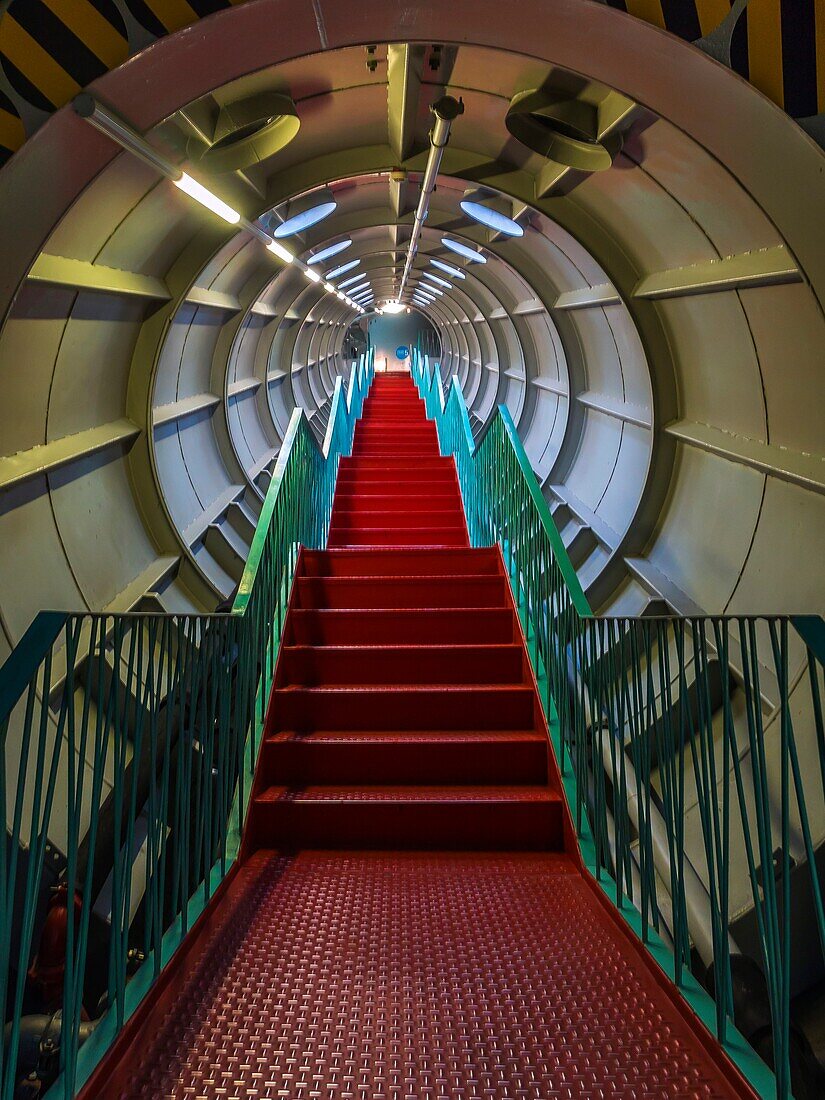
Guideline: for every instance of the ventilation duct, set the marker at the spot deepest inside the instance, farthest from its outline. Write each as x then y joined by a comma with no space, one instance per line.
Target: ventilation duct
247,131
562,129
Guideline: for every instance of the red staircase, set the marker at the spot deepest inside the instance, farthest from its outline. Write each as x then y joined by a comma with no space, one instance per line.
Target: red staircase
410,918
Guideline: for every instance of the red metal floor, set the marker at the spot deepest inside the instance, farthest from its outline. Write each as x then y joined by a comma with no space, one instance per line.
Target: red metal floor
410,919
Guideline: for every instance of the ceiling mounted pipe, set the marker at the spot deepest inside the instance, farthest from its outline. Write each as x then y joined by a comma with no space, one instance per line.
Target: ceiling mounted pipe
445,110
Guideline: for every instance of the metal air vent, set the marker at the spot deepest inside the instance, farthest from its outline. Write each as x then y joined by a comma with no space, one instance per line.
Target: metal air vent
562,129
248,131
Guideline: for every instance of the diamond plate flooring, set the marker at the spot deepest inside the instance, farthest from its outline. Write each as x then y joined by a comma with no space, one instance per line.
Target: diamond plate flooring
348,976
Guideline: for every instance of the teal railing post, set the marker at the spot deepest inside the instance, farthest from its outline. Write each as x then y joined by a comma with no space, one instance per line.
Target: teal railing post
108,722
669,786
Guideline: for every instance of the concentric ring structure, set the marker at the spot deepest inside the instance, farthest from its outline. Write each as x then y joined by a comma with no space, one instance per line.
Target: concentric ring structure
657,331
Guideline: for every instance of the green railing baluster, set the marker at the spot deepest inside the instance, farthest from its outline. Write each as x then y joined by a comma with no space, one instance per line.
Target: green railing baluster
617,694
173,726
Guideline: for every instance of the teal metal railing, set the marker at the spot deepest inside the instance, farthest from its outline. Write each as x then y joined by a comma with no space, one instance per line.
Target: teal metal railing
692,751
129,743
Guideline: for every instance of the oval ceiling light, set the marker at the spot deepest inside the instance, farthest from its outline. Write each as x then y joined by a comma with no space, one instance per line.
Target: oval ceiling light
456,272
305,211
436,278
352,279
336,271
464,250
329,252
481,209
360,287
429,289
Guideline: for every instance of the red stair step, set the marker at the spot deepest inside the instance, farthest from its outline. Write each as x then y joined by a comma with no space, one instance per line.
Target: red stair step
411,450
357,503
347,521
434,463
408,480
401,664
389,536
396,817
401,592
406,707
378,562
411,757
435,626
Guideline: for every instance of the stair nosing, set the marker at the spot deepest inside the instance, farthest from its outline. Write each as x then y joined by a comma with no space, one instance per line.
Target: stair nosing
399,736
406,689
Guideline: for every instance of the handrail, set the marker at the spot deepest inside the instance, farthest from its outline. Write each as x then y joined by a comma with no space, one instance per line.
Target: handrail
128,743
687,749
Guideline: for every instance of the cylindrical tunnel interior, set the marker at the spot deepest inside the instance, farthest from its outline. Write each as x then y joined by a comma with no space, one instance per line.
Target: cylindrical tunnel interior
624,245
655,325
654,329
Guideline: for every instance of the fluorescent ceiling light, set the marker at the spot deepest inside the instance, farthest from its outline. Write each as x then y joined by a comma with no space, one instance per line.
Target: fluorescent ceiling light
340,295
492,219
340,270
435,278
456,272
329,252
313,276
281,252
329,288
464,250
198,192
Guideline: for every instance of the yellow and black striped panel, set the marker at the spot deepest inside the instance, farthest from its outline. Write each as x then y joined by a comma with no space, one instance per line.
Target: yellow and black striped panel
165,16
12,133
50,49
778,45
